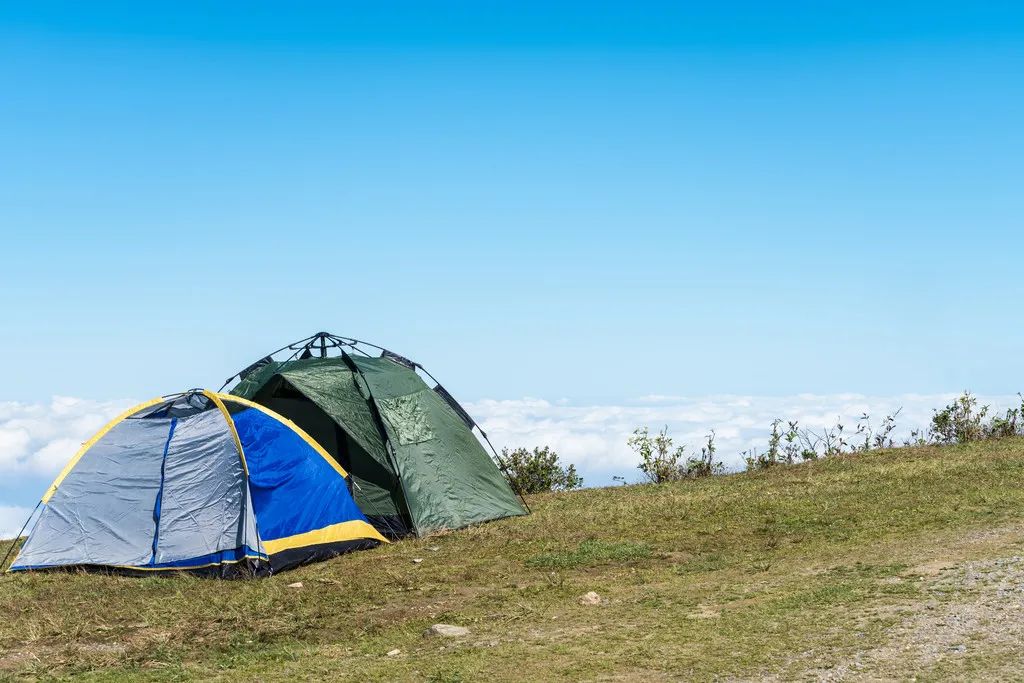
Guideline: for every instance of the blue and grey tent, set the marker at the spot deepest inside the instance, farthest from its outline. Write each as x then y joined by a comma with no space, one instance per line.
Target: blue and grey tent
199,481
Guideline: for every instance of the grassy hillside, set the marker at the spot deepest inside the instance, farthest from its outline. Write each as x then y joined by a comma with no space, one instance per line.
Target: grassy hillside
879,565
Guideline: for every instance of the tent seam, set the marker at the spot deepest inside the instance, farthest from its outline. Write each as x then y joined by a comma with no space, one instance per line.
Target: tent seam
160,491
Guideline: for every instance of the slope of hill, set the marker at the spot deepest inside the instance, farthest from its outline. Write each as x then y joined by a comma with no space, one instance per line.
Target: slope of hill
882,565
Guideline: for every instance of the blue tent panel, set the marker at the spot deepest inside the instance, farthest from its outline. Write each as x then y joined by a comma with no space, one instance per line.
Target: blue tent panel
285,468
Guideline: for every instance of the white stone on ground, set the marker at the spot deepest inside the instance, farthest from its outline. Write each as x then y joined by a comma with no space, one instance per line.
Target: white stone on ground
447,631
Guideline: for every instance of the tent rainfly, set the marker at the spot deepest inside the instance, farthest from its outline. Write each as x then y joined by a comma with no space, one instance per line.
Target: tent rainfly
198,481
415,462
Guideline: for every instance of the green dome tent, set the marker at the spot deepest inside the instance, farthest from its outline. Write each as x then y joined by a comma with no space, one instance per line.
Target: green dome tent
415,463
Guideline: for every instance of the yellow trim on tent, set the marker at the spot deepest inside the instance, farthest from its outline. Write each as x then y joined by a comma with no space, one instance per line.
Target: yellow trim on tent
344,531
92,442
213,396
291,425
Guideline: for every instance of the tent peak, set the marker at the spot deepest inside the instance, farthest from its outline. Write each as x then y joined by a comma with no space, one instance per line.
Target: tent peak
323,345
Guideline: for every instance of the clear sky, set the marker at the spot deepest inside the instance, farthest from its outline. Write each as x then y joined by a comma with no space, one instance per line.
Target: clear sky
584,201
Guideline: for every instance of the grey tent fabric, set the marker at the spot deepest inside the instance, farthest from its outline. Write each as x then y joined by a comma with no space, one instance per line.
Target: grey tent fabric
205,506
172,488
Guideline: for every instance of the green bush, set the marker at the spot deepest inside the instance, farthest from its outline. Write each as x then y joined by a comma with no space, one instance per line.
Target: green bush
538,471
961,421
660,462
789,442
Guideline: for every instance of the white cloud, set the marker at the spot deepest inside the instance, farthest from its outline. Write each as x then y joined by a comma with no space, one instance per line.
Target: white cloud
12,518
39,438
594,436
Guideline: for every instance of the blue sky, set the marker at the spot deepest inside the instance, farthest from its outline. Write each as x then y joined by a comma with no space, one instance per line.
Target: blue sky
584,201
591,201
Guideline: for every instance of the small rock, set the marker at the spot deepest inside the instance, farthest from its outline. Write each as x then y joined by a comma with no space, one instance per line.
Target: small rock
434,548
958,648
417,560
590,598
447,631
297,584
394,653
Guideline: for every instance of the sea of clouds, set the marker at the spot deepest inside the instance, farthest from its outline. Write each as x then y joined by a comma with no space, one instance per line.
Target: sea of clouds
594,436
37,439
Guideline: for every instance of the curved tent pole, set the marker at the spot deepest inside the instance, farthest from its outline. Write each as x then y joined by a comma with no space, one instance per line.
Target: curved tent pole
504,468
14,541
322,341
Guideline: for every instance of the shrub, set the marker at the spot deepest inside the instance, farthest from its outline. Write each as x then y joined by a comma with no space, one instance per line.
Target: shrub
787,445
538,471
1011,424
660,462
784,447
961,421
704,465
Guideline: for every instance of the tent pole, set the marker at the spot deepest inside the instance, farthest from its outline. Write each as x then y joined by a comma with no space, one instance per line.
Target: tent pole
14,541
269,355
504,468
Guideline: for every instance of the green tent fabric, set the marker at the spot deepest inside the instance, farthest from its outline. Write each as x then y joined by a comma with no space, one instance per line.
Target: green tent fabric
415,463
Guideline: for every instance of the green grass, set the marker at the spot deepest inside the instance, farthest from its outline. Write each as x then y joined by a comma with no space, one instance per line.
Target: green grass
591,554
735,576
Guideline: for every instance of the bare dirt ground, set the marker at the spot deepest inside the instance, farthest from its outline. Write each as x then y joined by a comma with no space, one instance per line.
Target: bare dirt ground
970,626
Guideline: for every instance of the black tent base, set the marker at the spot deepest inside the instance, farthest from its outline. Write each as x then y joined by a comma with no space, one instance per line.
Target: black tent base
233,570
279,562
289,559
